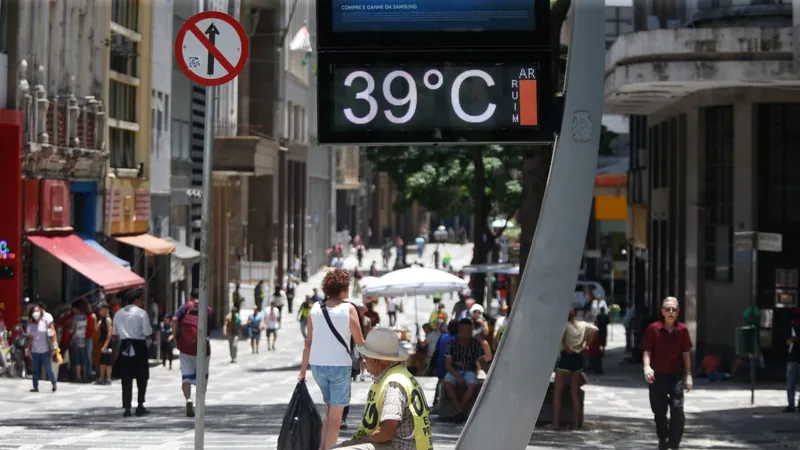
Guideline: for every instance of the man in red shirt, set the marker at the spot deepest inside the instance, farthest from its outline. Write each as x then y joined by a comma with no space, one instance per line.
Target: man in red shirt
667,350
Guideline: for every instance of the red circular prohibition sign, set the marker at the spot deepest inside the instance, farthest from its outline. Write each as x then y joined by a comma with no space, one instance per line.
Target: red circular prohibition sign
191,26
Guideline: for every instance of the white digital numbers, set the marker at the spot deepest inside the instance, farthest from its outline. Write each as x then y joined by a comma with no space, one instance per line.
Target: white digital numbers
432,79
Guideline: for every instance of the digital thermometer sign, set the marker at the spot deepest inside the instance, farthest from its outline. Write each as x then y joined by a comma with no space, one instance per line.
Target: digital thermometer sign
433,103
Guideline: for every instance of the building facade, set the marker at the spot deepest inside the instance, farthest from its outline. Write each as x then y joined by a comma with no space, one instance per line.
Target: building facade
59,56
712,90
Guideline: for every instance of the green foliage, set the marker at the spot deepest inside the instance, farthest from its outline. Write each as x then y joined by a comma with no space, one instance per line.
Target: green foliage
443,180
606,138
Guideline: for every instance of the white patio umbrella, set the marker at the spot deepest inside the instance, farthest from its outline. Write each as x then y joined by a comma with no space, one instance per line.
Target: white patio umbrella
367,281
500,223
415,281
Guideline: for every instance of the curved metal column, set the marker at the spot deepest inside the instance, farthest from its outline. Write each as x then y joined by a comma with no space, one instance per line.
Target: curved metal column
506,410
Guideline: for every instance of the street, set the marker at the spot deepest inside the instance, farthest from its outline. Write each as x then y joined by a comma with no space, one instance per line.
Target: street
246,402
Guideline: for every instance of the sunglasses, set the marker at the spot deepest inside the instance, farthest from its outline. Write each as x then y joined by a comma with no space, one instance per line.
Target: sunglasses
670,309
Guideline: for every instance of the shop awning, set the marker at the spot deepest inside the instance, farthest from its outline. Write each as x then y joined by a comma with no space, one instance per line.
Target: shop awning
89,262
183,252
150,244
96,245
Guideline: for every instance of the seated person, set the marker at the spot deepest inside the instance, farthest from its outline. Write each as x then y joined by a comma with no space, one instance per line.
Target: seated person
396,414
461,361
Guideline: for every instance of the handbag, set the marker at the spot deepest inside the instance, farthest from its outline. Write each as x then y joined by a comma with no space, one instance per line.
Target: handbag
356,368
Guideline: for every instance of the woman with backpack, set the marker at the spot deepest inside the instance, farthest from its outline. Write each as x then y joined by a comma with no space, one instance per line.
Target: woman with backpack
334,329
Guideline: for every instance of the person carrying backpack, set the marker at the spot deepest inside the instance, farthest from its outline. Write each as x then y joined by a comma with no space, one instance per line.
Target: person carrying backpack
184,327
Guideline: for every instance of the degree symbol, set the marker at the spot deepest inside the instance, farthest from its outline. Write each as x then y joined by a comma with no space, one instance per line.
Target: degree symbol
439,81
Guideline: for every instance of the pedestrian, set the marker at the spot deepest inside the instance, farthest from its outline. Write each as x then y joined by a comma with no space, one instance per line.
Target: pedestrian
602,321
166,341
255,323
185,331
258,293
569,370
278,300
230,329
104,331
91,324
291,288
132,327
77,348
461,360
302,315
667,364
627,322
42,344
315,297
793,365
273,324
332,324
391,310
238,298
396,415
373,270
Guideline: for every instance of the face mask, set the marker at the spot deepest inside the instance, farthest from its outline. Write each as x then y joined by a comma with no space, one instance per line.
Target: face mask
36,315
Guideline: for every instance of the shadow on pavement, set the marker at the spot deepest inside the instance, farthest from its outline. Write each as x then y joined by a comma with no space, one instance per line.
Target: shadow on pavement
598,433
293,367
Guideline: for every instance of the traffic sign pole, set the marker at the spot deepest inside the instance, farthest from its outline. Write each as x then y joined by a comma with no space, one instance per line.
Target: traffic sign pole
211,49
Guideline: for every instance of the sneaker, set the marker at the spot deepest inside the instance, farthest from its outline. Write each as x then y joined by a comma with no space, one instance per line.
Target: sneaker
127,413
189,409
142,411
35,390
54,387
344,425
789,409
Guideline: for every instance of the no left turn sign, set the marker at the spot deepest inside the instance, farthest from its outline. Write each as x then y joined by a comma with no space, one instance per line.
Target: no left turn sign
211,48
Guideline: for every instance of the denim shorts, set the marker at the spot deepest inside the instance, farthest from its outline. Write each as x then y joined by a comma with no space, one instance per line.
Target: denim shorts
334,382
468,376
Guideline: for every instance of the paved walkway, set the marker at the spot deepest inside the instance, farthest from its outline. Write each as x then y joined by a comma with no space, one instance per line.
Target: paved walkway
246,402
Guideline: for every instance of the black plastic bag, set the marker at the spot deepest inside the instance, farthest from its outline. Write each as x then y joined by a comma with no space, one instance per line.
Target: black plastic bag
302,425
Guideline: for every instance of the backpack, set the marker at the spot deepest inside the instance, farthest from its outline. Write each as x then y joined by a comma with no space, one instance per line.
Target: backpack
187,340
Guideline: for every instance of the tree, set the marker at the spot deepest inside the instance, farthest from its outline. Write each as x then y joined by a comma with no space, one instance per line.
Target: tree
481,180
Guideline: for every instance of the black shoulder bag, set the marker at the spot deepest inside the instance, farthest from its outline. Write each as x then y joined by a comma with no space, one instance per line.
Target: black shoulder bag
356,368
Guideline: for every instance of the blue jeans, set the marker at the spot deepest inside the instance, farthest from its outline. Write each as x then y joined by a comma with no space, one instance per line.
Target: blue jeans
89,357
469,377
39,360
334,382
792,380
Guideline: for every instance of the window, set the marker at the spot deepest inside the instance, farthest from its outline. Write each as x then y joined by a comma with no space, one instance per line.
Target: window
125,13
121,101
123,147
288,127
779,142
181,139
176,140
124,56
719,193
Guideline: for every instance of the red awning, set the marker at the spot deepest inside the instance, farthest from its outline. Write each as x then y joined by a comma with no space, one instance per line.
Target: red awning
84,259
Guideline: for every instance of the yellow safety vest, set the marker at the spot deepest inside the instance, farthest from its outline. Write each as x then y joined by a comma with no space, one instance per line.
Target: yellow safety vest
416,403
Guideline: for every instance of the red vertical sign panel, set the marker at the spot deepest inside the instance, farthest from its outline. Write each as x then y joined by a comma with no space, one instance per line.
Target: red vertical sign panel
11,222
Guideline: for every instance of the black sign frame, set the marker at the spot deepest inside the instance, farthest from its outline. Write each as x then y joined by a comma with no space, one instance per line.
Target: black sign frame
327,39
328,135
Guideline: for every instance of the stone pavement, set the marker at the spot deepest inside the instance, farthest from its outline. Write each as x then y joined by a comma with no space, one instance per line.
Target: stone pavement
246,402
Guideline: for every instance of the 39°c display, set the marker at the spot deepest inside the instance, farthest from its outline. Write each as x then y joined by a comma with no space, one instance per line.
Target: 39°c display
487,97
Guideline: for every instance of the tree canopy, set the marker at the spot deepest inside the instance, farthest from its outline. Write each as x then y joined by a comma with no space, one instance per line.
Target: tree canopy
443,180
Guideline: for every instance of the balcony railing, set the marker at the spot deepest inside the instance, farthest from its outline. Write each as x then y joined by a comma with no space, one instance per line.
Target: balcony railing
347,162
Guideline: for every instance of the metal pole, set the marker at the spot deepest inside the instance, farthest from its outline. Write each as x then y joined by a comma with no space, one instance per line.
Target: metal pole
205,273
754,303
508,406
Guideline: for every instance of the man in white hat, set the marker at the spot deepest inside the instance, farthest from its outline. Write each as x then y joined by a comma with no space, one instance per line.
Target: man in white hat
396,415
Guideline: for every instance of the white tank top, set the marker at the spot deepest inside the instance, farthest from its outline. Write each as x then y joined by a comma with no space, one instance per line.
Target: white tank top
326,350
